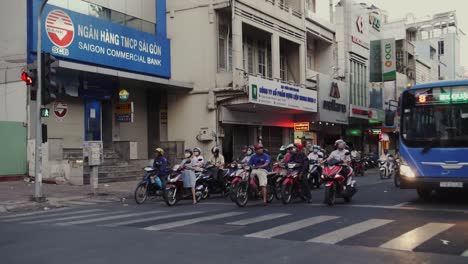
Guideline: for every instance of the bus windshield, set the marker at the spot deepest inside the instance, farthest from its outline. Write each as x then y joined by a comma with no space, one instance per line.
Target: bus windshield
435,117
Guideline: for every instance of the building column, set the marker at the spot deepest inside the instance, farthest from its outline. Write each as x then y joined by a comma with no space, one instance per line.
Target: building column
275,56
237,52
302,64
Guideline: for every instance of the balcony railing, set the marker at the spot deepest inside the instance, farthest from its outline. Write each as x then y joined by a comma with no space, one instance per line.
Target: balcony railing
281,4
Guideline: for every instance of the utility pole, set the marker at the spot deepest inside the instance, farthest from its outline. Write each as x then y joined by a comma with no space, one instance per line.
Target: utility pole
38,195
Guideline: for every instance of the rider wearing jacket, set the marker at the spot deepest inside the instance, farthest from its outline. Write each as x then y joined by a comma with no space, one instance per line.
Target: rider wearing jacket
160,164
341,154
298,156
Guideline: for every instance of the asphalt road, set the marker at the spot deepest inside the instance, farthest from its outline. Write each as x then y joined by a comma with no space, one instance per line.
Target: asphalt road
382,224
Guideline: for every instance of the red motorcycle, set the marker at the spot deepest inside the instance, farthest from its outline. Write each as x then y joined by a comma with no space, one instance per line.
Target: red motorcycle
337,185
280,171
249,187
358,168
292,185
175,190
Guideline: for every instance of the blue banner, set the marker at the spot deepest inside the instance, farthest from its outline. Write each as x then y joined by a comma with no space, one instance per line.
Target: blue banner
73,36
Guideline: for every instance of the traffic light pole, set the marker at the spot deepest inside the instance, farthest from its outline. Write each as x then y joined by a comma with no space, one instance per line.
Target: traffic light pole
38,195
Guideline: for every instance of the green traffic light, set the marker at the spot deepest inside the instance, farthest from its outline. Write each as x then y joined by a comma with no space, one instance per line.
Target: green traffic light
45,112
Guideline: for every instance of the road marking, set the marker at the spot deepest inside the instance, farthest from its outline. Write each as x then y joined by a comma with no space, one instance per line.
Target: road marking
258,219
26,218
35,213
67,218
135,221
401,204
113,217
465,254
286,228
98,201
191,221
78,203
408,208
412,239
347,232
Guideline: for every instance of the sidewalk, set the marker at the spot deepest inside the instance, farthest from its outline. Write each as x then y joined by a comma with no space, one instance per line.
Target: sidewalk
16,196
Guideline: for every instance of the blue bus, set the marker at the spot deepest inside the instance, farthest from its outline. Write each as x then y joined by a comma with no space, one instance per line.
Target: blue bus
434,137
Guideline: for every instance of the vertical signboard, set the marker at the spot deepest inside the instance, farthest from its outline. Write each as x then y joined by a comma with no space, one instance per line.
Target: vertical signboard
375,61
388,60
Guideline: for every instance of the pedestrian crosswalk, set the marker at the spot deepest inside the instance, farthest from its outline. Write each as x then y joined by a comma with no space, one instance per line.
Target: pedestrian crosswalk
324,229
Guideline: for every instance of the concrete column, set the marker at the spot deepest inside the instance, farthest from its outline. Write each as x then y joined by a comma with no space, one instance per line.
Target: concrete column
302,64
275,55
237,50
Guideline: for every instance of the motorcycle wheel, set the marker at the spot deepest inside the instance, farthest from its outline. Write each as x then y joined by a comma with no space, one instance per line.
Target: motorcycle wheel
396,180
278,190
347,199
227,190
382,175
170,196
270,193
141,193
242,196
205,193
330,195
362,171
286,193
233,192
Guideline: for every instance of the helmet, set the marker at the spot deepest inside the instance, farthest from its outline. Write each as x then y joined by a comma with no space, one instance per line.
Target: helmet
244,147
316,147
197,150
290,146
258,146
188,151
283,148
339,141
215,150
159,150
299,146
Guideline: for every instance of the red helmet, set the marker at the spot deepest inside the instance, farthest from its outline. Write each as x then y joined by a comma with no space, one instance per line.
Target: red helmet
299,146
258,146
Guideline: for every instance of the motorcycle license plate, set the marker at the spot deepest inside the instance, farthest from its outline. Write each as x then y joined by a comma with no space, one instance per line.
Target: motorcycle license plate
451,184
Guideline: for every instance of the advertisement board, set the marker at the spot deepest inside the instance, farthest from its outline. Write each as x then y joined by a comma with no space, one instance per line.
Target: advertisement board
333,100
388,60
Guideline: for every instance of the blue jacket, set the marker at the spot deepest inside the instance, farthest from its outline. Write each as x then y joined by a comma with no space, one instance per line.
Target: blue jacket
160,164
259,160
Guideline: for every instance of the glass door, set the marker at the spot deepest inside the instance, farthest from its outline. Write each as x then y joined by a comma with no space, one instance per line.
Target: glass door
93,124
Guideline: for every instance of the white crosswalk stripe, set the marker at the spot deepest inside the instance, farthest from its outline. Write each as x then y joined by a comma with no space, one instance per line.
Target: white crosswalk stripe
107,218
465,254
294,226
34,213
347,232
258,219
161,217
52,220
35,217
191,221
78,203
412,239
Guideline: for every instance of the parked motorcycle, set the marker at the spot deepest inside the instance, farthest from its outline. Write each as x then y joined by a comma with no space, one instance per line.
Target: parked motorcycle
292,185
387,168
337,185
146,188
313,175
357,165
249,187
175,190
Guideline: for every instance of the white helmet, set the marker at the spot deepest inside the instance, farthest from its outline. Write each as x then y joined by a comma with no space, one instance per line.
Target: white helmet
339,141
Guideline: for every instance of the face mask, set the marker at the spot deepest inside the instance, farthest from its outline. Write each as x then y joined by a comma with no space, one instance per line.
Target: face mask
315,150
249,152
187,155
294,150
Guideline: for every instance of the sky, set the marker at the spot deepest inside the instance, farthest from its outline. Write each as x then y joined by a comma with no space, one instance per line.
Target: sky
398,9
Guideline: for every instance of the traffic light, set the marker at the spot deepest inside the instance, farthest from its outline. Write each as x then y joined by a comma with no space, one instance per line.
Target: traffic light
49,78
45,112
30,78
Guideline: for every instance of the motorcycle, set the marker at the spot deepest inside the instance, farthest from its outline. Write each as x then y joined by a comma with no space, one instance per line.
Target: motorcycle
175,190
387,168
280,172
236,178
313,175
208,183
249,187
146,188
357,166
336,184
292,185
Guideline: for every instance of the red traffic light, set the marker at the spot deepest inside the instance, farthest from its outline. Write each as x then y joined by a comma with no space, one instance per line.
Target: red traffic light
26,78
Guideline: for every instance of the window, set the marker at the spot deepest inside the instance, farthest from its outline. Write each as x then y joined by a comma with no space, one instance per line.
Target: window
262,59
358,83
441,47
310,57
283,68
224,43
249,56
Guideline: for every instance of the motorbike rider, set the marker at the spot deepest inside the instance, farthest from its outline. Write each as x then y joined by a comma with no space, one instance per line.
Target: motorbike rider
188,174
341,154
282,153
217,159
385,157
289,150
199,160
160,164
243,154
249,153
298,156
260,161
316,155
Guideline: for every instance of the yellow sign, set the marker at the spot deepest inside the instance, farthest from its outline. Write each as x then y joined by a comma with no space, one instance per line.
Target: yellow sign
124,108
123,95
302,126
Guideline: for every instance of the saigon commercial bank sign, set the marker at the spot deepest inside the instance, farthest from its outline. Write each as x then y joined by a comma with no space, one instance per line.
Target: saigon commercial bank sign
83,38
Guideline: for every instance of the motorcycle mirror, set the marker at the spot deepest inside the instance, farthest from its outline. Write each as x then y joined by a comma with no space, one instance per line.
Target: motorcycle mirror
187,161
200,159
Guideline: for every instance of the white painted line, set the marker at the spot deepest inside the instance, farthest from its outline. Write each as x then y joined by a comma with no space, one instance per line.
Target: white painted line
78,203
35,217
191,221
98,201
465,254
347,232
35,213
135,221
401,204
50,220
107,218
258,219
414,238
294,226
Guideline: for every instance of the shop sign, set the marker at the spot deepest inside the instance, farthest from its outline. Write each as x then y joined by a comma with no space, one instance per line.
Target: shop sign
388,60
272,93
374,21
124,112
377,115
359,112
60,110
333,100
302,126
123,95
70,35
375,131
359,42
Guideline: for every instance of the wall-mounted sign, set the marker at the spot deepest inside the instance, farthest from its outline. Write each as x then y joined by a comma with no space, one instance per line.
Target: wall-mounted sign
360,24
333,98
359,42
375,131
70,35
266,92
359,112
388,60
123,95
302,126
60,110
374,21
124,112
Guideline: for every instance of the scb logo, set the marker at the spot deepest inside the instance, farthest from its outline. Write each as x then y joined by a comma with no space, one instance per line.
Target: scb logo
60,30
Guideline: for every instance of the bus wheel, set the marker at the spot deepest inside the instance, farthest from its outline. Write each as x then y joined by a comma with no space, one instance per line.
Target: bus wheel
424,193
